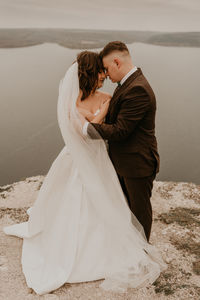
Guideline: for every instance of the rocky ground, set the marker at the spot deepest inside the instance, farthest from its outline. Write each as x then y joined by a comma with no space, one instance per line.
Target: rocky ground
175,233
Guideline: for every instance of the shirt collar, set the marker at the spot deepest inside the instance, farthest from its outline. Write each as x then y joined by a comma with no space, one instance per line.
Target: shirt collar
128,74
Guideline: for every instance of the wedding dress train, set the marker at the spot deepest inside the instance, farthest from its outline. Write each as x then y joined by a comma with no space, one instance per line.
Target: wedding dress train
80,227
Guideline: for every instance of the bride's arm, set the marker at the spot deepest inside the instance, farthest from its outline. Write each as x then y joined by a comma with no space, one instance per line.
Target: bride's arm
86,114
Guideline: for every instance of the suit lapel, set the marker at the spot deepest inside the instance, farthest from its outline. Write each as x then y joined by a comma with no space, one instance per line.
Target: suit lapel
119,90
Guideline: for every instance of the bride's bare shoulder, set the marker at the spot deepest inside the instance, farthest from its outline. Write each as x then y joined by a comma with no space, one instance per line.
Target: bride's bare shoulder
104,96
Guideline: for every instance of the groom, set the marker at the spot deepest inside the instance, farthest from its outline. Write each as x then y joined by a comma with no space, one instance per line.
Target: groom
130,130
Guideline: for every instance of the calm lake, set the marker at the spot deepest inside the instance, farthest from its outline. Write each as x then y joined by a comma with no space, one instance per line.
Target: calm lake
30,135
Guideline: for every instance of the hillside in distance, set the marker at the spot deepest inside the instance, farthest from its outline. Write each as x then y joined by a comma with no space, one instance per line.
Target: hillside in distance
90,39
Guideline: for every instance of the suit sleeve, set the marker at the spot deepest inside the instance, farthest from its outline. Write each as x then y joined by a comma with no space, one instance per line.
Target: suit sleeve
133,108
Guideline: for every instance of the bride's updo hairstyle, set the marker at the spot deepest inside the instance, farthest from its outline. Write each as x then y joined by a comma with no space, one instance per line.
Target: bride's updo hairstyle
89,65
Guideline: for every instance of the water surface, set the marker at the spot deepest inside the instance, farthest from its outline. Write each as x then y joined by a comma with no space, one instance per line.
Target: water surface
31,138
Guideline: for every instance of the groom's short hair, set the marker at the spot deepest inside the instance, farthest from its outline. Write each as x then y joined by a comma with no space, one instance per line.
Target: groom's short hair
113,46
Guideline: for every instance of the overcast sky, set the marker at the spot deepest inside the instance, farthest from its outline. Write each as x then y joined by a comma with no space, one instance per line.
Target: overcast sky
161,15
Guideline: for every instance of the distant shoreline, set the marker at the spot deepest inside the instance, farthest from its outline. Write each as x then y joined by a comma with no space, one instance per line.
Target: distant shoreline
91,39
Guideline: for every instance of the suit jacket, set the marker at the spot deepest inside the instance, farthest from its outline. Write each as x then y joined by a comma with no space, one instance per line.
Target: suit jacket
130,128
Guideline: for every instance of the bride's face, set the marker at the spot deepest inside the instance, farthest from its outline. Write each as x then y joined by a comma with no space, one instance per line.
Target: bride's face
101,78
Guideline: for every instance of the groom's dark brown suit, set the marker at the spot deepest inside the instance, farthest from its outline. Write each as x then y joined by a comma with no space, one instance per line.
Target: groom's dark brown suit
130,130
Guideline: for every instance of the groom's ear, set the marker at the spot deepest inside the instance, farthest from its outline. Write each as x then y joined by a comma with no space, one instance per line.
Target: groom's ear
117,62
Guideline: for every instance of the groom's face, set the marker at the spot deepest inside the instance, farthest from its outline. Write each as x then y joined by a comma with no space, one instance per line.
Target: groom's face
111,68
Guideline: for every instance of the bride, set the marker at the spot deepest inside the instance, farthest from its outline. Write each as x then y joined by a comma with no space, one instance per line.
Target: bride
80,227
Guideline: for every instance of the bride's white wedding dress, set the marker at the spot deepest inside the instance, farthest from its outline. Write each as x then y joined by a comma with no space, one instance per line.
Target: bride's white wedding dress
80,227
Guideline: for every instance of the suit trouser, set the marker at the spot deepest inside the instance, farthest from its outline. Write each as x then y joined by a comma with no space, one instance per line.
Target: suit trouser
138,193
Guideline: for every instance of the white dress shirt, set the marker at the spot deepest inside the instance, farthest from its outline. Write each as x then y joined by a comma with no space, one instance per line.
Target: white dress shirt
128,74
85,126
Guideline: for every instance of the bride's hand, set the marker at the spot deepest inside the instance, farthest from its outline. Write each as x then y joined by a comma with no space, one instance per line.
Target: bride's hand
104,107
103,112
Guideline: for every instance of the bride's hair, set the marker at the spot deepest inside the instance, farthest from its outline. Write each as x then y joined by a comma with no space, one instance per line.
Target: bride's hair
89,65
